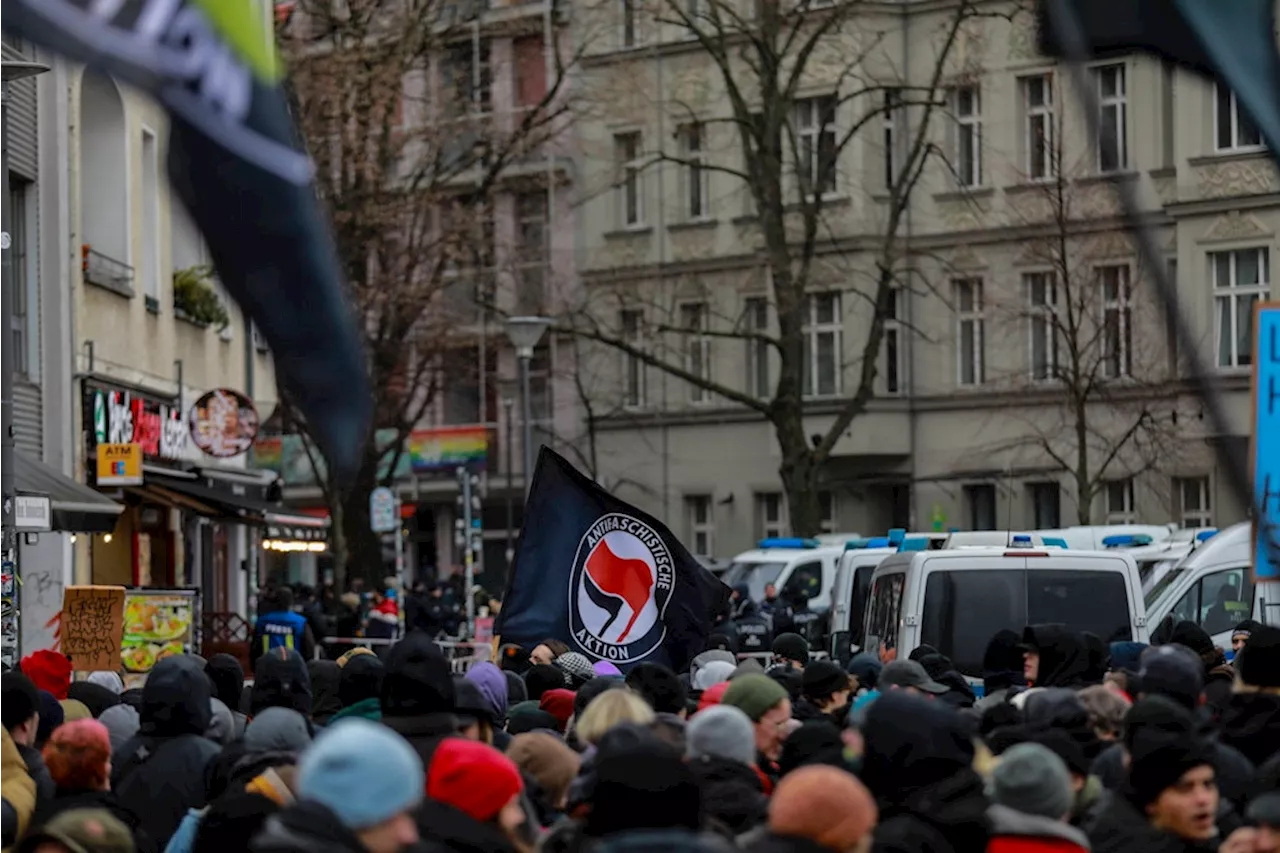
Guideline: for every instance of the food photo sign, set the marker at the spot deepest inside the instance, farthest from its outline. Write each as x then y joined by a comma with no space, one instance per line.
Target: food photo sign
157,624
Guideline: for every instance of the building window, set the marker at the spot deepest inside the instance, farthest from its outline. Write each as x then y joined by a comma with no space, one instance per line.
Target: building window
1042,306
18,257
694,174
815,126
822,337
1234,129
1193,501
630,24
1037,108
628,154
1046,505
889,134
895,349
467,79
980,506
1117,320
828,512
1119,506
771,515
970,332
1113,153
633,373
702,528
756,321
1240,280
966,104
532,251
694,319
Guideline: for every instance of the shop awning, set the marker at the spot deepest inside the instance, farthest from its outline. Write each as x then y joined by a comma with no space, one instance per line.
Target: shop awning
242,507
76,507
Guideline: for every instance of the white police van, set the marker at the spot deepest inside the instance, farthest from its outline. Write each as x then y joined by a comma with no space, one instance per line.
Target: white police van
791,565
956,600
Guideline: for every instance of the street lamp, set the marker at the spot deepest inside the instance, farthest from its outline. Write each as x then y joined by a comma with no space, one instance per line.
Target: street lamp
524,334
11,70
508,389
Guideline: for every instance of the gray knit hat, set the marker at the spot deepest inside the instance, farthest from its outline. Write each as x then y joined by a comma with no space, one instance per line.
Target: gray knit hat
721,731
1031,779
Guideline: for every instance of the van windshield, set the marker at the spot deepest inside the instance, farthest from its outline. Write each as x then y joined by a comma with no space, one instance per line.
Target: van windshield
963,610
1157,592
755,575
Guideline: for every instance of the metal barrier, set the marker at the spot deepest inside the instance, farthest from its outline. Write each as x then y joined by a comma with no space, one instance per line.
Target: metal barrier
461,654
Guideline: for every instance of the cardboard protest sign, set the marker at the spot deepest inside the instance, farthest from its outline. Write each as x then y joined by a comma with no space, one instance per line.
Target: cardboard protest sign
92,626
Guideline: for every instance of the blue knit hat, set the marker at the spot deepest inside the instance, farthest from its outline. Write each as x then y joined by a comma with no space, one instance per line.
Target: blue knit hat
362,771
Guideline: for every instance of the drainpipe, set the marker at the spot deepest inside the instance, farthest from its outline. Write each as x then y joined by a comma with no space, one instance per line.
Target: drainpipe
913,517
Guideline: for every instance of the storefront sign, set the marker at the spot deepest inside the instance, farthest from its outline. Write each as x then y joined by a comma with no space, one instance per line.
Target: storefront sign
296,533
224,423
119,417
32,512
119,464
384,514
157,623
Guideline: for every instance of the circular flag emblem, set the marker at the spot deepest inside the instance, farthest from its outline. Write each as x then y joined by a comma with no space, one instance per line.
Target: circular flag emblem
621,582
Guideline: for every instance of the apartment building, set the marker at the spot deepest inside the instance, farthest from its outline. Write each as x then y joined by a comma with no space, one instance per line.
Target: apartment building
1017,278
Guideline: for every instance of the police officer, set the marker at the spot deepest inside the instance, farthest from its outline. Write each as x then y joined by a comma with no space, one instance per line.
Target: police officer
280,626
804,621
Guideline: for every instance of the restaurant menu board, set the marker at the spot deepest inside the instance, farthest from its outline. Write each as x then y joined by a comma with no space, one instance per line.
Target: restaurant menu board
157,623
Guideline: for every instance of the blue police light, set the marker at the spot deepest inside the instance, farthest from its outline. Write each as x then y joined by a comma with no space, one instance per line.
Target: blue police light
914,543
1020,540
782,542
879,542
1125,540
1054,541
1205,535
897,535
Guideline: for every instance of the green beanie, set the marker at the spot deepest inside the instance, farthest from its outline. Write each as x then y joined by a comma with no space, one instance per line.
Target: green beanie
754,695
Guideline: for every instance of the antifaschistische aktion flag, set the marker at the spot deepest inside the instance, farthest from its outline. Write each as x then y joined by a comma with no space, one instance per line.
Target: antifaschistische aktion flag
605,577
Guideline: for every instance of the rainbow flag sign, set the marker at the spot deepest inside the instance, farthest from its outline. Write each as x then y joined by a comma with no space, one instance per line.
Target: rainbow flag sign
445,448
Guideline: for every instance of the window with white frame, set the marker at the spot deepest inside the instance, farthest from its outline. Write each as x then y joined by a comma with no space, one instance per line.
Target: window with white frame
701,524
17,256
629,157
966,106
1194,507
822,345
970,332
1241,279
815,129
693,173
1233,129
1113,153
756,321
895,349
1037,109
1117,320
828,512
633,374
694,320
771,515
889,133
1042,306
1046,505
1118,501
629,23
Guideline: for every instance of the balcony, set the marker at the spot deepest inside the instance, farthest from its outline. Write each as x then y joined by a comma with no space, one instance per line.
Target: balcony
106,272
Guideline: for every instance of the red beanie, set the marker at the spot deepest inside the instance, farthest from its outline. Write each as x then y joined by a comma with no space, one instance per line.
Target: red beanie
712,695
559,704
472,777
48,670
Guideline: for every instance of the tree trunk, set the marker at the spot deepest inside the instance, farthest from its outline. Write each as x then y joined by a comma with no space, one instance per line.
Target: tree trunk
799,473
363,558
1084,487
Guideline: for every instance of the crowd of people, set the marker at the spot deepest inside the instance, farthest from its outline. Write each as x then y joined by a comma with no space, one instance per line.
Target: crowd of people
1067,746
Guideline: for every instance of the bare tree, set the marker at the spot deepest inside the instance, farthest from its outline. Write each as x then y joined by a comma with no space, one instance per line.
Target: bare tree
395,103
794,153
1098,345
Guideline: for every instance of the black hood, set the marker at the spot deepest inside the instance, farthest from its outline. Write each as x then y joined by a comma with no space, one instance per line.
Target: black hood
325,676
732,792
418,680
1064,660
175,699
280,680
453,830
1251,724
228,679
360,679
305,828
911,743
94,696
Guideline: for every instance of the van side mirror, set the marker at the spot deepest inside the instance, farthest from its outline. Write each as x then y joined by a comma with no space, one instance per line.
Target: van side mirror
841,649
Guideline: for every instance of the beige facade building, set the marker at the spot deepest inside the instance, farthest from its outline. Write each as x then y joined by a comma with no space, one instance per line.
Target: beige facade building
1012,229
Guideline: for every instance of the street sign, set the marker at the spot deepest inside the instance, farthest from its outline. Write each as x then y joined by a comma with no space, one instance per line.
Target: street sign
1266,441
382,511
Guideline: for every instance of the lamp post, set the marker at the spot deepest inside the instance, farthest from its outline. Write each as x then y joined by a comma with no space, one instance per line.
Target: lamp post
508,402
524,334
10,70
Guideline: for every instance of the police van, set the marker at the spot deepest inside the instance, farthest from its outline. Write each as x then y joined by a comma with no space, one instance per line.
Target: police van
956,600
1213,587
792,565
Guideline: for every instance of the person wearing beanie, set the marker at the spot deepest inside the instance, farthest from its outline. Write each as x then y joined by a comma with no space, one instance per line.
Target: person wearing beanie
660,687
605,668
473,801
712,673
48,670
492,684
122,723
358,786
817,741
1170,797
360,688
720,749
825,692
1251,721
277,730
551,765
74,709
516,691
543,677
80,831
51,716
791,649
559,704
530,719
641,783
78,756
1241,632
712,696
826,807
707,657
418,695
767,705
1031,798
94,696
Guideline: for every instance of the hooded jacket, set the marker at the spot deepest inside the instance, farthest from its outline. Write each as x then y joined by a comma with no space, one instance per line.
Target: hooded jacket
161,771
1122,828
418,695
324,676
280,679
306,828
444,829
228,683
1017,832
1064,659
1251,724
732,793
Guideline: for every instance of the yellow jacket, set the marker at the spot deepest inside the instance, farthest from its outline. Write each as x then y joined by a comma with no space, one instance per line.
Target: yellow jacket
19,789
